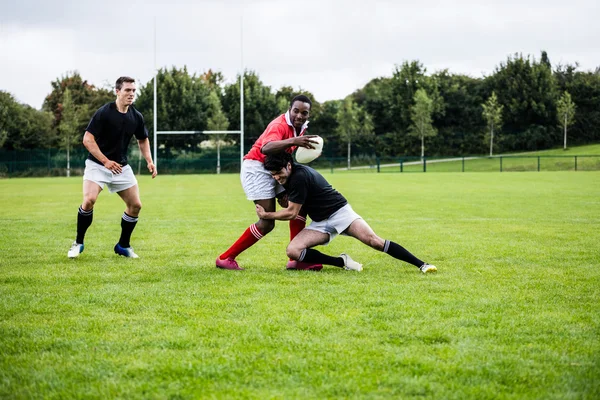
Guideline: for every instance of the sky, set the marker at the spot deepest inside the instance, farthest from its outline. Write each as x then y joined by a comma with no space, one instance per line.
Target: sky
328,47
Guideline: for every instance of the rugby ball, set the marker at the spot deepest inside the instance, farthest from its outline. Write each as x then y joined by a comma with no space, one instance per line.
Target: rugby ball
304,155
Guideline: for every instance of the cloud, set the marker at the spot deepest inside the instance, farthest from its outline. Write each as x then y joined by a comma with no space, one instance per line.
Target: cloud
330,47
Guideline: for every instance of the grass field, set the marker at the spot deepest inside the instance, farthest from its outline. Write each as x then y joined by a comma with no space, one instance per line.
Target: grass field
513,312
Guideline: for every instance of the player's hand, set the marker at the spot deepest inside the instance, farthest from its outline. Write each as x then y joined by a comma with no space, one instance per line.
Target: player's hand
305,141
113,167
283,201
260,211
152,169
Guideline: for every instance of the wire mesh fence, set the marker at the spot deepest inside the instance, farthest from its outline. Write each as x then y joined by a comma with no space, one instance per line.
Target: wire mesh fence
54,162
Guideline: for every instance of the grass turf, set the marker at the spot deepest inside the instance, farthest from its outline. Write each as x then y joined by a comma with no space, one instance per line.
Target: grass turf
512,312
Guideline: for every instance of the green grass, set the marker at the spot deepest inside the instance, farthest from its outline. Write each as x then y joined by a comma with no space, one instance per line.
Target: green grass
512,312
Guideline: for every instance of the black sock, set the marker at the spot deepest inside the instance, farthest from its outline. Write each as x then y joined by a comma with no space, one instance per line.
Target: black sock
313,256
84,220
399,252
127,224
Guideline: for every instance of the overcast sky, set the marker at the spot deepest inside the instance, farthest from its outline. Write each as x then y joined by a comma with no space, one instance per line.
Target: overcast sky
329,47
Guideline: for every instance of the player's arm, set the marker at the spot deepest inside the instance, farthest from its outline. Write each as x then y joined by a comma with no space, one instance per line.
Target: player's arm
89,141
277,146
145,149
285,214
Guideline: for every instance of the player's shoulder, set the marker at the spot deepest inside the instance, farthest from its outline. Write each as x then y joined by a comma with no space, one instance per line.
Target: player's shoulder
136,112
278,122
105,109
303,171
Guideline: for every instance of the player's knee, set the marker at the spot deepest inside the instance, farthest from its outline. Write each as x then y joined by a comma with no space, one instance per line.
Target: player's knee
293,252
137,206
88,202
265,225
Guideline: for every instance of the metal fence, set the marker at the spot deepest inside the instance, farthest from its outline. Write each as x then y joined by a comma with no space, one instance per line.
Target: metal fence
53,162
502,163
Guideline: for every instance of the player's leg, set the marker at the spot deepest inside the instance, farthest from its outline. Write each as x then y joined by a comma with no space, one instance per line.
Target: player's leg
296,226
360,230
301,249
251,235
259,187
129,219
85,215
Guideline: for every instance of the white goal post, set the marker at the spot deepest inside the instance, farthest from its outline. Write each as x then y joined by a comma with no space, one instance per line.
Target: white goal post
240,132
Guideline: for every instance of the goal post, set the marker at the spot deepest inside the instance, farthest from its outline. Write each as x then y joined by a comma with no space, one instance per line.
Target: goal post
239,132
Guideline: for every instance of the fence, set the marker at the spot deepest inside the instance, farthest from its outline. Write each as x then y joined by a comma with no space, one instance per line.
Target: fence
507,163
53,162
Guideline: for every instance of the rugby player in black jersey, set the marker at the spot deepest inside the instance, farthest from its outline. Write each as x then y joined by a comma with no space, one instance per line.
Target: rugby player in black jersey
107,138
331,215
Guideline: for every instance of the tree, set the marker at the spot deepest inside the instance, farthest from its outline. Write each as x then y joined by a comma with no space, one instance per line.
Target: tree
353,122
421,118
584,89
565,110
461,126
527,90
216,122
492,112
260,106
4,115
82,94
22,126
69,126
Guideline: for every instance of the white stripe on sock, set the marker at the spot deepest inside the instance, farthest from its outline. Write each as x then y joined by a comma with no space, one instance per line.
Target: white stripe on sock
83,212
302,255
386,246
129,219
255,232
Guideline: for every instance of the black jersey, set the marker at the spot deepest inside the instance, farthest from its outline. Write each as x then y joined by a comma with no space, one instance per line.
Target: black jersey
113,130
308,187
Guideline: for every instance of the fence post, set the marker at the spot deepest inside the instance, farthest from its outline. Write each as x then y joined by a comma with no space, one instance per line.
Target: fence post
575,163
401,165
378,164
463,164
538,163
424,164
500,163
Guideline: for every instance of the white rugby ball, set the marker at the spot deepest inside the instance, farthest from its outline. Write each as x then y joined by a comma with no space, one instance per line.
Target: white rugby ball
304,155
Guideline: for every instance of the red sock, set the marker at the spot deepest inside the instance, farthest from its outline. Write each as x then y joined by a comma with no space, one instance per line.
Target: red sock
296,225
248,238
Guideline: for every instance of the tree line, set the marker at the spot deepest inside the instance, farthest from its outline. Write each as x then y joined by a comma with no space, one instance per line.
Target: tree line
525,104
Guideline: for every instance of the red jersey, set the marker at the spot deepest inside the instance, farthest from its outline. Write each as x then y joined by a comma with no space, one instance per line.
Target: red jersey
280,128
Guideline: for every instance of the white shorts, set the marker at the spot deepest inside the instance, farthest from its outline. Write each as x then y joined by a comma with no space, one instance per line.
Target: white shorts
103,176
337,223
257,182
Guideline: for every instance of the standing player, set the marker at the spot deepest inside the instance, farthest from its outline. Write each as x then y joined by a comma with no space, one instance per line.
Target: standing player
107,138
283,134
330,213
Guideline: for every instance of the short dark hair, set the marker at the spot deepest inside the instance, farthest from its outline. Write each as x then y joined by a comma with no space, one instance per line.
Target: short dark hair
278,161
301,98
123,79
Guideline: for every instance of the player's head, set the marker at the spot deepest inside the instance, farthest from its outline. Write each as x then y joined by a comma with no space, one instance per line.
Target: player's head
280,166
299,110
125,89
